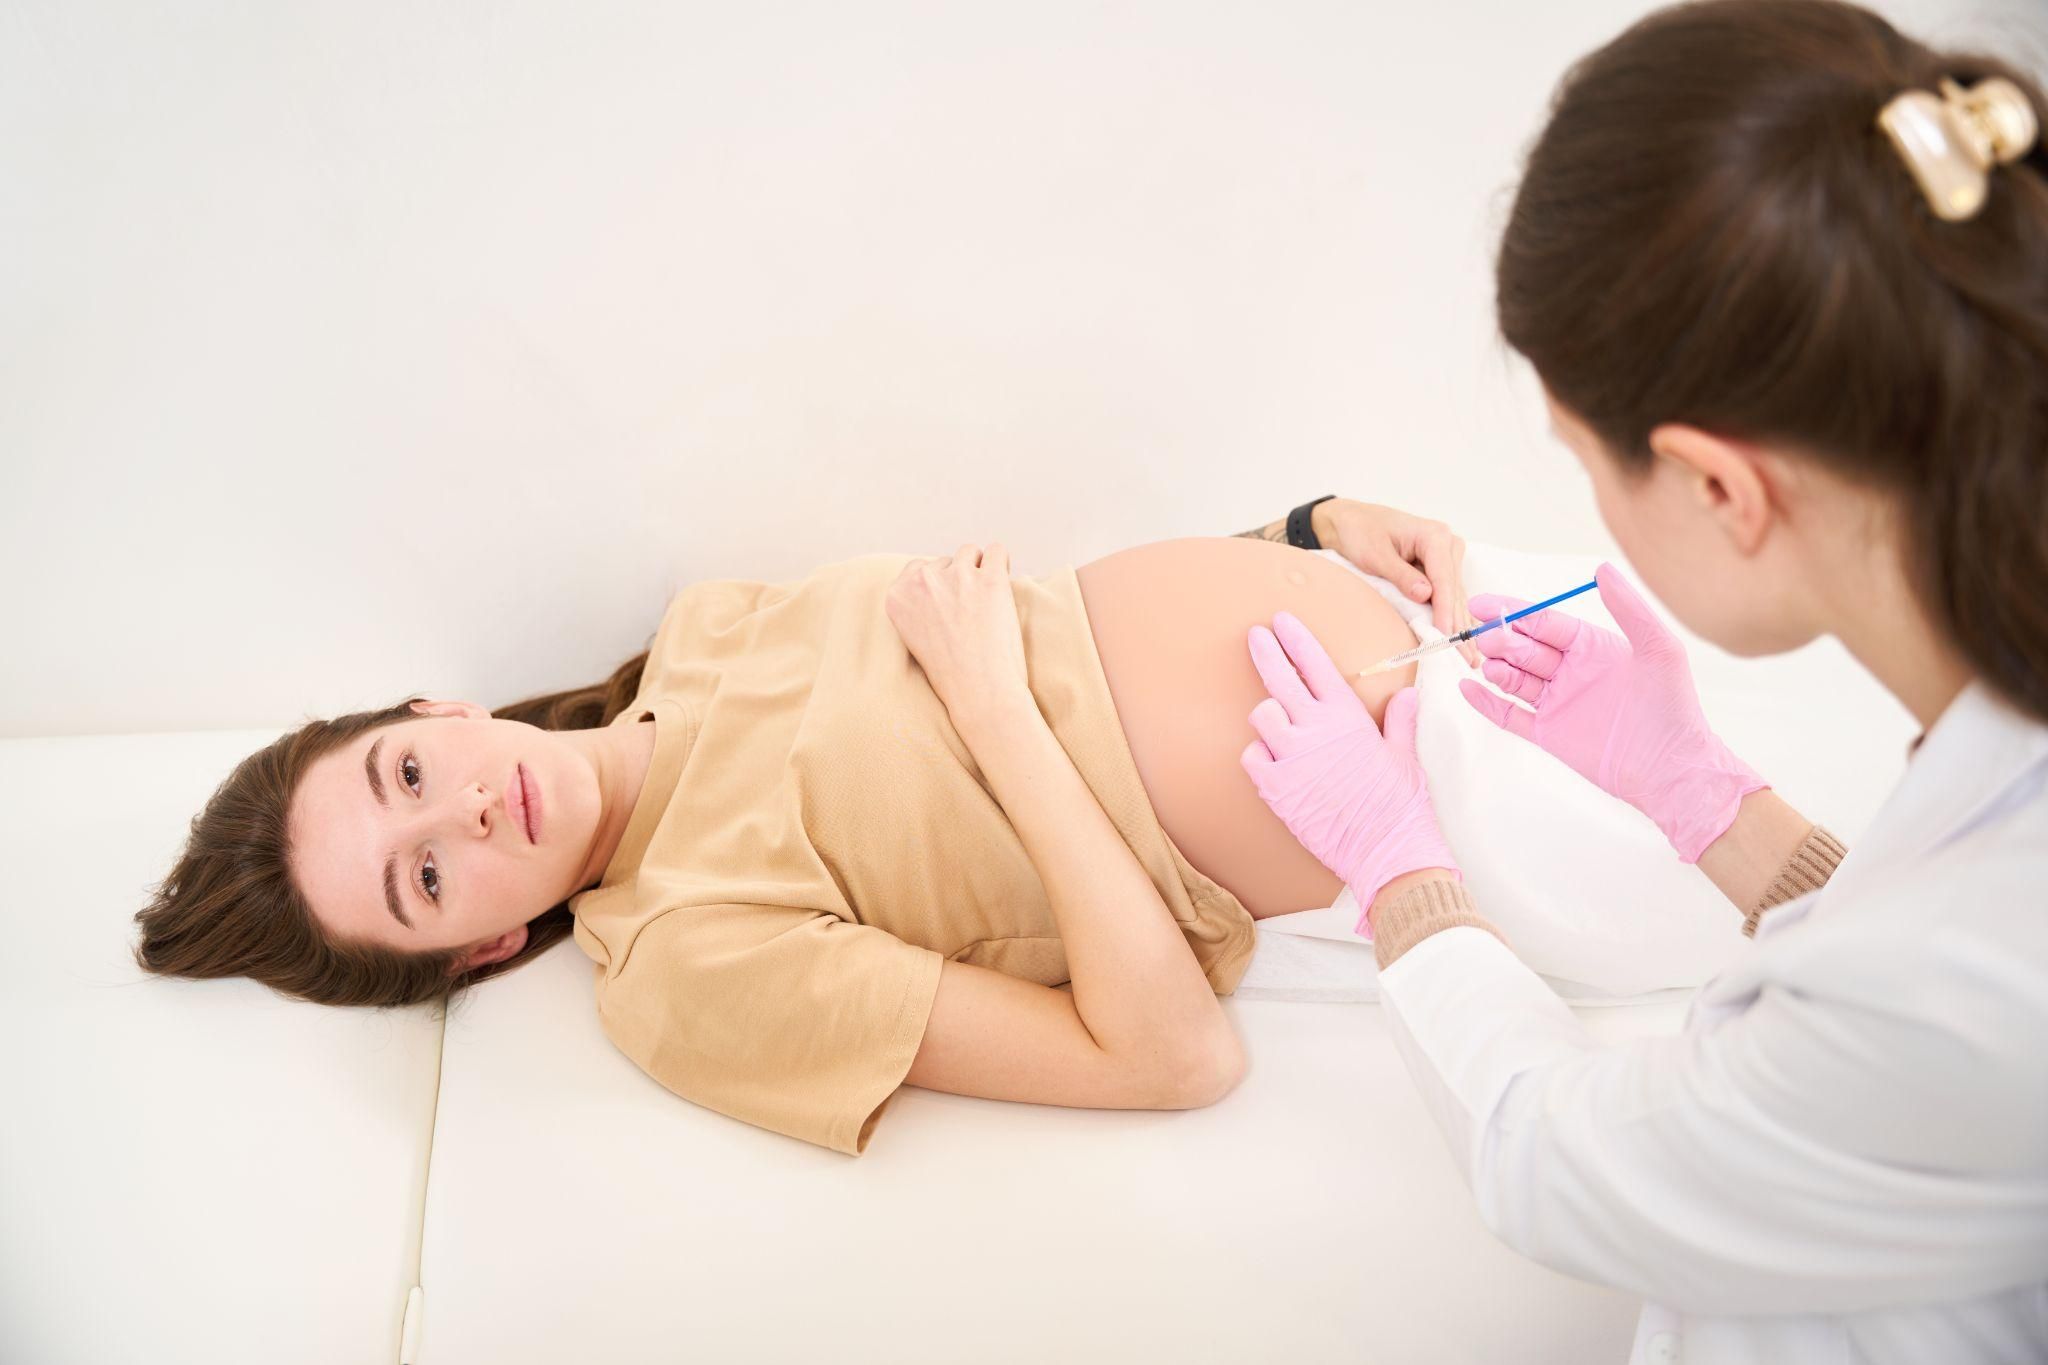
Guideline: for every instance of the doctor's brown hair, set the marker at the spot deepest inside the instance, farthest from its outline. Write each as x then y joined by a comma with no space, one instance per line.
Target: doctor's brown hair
231,907
1712,229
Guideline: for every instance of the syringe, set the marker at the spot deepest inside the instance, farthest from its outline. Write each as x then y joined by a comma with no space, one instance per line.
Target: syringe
1409,656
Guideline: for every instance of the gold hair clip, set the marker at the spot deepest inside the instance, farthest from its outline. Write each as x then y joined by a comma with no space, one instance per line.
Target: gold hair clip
1951,142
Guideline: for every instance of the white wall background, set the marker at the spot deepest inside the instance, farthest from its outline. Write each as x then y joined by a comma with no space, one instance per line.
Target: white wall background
354,348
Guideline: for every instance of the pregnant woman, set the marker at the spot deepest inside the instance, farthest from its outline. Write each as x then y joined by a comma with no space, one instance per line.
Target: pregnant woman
828,837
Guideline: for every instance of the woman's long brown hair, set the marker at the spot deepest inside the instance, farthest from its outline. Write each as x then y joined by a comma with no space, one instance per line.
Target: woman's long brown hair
1712,229
230,906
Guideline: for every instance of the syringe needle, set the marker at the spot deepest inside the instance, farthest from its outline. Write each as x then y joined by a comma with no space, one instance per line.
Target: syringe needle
1408,656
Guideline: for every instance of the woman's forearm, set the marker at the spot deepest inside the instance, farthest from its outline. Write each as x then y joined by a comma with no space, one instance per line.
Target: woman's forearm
1318,520
1136,984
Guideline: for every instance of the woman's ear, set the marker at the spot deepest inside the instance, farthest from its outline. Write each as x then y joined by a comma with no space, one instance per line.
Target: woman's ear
497,950
468,710
1730,480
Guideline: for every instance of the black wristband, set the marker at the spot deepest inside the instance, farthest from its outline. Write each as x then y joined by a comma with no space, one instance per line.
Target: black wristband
1301,531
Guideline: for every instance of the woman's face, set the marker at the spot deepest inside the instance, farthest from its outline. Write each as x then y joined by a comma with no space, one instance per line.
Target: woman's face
1700,527
425,816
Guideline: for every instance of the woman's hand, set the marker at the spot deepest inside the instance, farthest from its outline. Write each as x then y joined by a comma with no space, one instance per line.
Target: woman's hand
958,617
1354,797
1420,557
1620,710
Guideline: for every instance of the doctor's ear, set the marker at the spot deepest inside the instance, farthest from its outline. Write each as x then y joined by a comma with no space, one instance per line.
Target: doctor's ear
1731,480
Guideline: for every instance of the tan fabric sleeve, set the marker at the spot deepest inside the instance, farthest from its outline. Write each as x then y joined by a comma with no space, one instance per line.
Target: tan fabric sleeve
1808,869
1420,911
789,1019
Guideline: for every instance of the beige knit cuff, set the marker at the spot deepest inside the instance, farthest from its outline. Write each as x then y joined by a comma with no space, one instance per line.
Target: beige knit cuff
1420,911
1808,869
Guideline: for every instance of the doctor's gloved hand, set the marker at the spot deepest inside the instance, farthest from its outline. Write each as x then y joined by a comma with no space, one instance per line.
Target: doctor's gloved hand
1354,797
1620,710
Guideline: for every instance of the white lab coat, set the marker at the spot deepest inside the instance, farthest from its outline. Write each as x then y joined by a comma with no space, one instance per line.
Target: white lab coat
1843,1156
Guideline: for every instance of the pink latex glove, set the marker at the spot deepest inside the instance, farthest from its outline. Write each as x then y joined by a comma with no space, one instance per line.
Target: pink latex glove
1620,710
1354,798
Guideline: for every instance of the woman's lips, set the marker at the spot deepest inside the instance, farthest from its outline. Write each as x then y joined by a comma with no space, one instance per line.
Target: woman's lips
529,803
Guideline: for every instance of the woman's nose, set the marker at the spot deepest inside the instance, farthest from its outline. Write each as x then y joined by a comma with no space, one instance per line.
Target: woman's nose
472,812
483,808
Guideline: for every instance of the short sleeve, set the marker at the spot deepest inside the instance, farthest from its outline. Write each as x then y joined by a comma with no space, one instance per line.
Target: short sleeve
790,1019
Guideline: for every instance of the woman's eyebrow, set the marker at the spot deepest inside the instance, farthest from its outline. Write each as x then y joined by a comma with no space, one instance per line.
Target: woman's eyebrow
370,771
376,780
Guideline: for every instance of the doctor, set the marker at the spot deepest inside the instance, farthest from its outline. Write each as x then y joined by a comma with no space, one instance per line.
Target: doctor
1783,273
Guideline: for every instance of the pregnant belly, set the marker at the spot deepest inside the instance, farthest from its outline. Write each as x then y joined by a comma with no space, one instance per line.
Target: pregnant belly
1170,620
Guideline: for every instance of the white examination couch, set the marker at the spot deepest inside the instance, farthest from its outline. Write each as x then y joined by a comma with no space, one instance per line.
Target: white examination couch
203,1172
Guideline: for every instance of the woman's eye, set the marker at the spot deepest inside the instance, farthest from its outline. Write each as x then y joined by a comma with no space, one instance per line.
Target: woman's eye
430,889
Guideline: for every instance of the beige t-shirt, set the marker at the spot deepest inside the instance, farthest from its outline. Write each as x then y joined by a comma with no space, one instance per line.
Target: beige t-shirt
813,839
